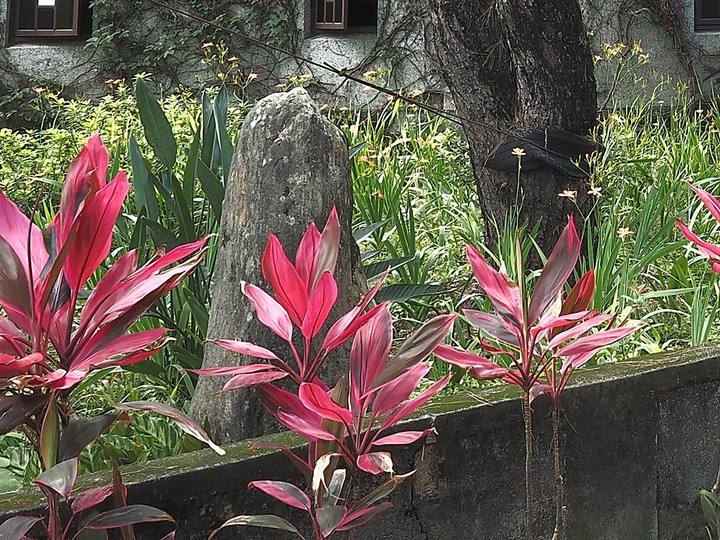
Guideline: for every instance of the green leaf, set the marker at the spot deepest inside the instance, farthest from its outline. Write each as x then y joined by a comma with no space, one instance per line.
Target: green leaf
156,126
145,196
80,433
402,292
266,521
365,232
160,235
212,187
50,434
355,150
199,311
377,269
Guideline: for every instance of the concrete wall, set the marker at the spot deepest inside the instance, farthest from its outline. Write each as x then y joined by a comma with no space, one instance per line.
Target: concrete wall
641,438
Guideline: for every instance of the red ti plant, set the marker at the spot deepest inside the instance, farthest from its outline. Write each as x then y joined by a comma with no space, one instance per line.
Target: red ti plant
55,331
544,337
350,423
712,253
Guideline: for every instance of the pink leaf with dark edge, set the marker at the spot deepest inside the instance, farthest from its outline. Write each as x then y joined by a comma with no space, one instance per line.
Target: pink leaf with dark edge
269,311
539,389
60,478
183,421
14,228
576,361
89,498
369,355
398,390
580,295
128,515
305,256
234,370
292,413
708,200
492,325
16,409
321,301
289,289
375,462
120,346
245,348
300,464
706,249
310,428
577,330
595,341
12,367
284,492
415,403
548,321
503,293
403,437
316,399
91,244
416,348
253,379
483,366
328,518
359,518
79,433
15,528
267,521
328,249
556,272
14,285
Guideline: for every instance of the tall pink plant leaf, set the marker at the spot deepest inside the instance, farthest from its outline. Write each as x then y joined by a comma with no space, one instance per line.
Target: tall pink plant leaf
284,492
269,311
245,380
328,249
415,403
708,250
358,518
398,390
556,272
292,413
321,301
503,293
11,366
59,479
282,276
91,244
375,462
89,498
305,256
484,369
14,285
416,348
369,354
708,200
242,347
494,326
577,330
16,229
317,400
403,438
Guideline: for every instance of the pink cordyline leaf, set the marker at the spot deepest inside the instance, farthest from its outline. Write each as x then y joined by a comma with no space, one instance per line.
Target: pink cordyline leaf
16,528
234,370
280,273
369,354
484,369
550,321
89,498
243,347
402,438
493,325
556,272
269,311
316,399
580,295
252,379
305,256
328,249
395,392
299,463
503,293
292,413
375,462
595,341
11,366
14,287
415,349
708,250
309,427
118,347
708,200
414,404
284,492
59,479
14,227
321,301
362,516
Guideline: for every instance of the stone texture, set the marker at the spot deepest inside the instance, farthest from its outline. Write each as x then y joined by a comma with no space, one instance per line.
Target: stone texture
290,168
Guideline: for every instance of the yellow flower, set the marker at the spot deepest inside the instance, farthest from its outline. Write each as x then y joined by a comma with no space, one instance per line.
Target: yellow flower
519,152
624,232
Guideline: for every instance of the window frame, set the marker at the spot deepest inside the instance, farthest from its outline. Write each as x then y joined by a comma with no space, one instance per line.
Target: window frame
21,34
705,23
342,25
345,26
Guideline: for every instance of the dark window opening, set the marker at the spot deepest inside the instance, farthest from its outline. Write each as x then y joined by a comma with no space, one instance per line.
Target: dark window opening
53,19
348,15
707,15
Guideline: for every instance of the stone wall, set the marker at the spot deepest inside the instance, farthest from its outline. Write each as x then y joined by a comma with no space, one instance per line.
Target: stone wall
640,437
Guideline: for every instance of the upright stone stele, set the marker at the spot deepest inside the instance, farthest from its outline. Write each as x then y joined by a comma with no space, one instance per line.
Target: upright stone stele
290,167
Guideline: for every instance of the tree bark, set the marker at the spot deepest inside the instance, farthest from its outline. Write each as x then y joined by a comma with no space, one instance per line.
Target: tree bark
513,66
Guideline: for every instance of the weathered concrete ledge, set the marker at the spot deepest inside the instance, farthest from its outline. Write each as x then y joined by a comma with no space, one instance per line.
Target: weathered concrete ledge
640,438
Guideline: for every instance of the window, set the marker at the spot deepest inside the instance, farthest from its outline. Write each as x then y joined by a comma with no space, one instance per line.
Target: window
354,15
707,15
50,18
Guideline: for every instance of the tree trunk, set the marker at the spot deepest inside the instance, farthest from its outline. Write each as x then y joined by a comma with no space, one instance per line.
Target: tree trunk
513,66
